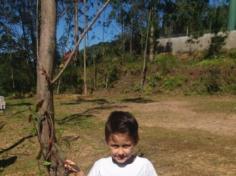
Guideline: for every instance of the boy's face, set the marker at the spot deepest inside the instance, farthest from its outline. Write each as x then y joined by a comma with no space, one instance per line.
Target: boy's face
121,146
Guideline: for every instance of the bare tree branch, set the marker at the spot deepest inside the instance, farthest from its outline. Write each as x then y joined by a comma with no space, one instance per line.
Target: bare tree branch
77,44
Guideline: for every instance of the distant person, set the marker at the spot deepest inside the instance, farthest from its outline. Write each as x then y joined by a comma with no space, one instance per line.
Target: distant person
121,135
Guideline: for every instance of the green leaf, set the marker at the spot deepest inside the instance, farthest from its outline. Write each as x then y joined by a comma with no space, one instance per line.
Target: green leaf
47,163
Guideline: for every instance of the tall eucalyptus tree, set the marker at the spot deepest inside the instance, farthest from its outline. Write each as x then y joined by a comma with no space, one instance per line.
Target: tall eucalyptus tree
50,152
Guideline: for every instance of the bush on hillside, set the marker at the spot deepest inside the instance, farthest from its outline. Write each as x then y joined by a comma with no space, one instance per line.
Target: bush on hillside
217,42
173,82
213,76
166,63
71,81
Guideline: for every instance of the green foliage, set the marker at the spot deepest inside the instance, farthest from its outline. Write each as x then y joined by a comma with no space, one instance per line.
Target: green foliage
232,53
70,80
153,80
17,74
230,88
173,82
136,87
212,80
147,90
166,63
215,75
216,62
129,58
133,68
217,42
46,163
111,75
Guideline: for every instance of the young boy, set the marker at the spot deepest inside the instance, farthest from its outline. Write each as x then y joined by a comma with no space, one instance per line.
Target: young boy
121,135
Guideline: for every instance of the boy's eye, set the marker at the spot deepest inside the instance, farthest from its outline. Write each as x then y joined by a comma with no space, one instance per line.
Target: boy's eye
114,146
117,146
126,146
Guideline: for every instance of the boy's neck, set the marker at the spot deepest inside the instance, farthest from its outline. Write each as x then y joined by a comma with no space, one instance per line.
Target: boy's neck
129,161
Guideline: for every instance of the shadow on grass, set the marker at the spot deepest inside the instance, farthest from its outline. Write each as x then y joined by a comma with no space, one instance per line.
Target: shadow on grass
103,107
7,162
99,101
137,100
74,118
77,118
20,104
2,124
19,112
17,143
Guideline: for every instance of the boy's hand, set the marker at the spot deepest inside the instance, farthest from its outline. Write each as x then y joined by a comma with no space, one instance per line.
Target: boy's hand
71,167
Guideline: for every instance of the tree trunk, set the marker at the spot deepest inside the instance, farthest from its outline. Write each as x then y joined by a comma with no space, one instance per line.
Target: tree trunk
131,38
85,56
58,86
144,73
12,78
151,44
95,74
44,107
76,31
152,34
49,151
123,37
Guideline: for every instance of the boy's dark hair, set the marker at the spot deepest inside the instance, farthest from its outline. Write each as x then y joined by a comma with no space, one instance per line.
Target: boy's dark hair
122,122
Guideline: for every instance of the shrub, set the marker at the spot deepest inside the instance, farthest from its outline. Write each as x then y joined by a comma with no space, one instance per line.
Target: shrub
111,74
153,80
166,63
212,80
70,80
134,68
232,54
172,82
217,42
217,74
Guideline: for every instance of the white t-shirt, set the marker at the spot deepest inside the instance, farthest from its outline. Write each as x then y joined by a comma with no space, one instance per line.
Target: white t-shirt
139,167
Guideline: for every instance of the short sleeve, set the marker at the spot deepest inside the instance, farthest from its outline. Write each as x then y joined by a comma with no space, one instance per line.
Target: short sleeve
150,170
94,171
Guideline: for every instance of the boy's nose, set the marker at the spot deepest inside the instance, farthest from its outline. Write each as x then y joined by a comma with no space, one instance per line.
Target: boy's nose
120,151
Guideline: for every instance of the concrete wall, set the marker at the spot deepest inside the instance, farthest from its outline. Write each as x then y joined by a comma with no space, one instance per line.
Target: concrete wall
186,44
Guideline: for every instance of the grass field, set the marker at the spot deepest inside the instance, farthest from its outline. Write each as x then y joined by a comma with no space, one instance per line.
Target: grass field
181,135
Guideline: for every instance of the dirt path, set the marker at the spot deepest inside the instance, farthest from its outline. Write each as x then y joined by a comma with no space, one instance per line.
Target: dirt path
179,114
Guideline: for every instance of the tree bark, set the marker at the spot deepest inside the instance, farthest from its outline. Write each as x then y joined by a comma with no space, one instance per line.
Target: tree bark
95,74
152,35
85,43
144,72
76,31
49,151
131,38
44,106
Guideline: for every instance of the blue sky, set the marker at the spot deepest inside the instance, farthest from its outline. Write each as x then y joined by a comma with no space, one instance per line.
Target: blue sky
96,34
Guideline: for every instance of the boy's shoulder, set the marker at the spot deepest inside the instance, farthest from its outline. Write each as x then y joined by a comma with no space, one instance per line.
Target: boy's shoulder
104,160
142,160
